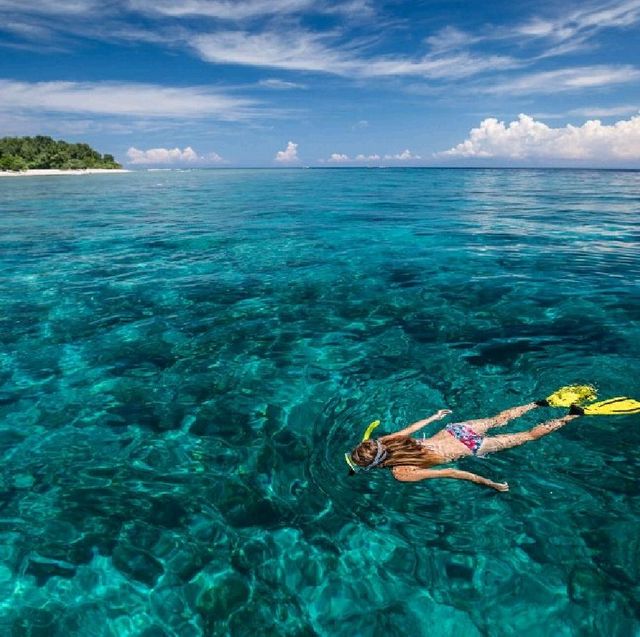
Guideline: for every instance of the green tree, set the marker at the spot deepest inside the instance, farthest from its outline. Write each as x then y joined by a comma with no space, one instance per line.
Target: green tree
42,151
13,163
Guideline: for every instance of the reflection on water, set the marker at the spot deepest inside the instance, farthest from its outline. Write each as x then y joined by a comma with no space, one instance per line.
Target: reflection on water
185,357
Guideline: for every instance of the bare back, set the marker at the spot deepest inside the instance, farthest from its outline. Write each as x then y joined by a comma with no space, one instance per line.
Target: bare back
438,449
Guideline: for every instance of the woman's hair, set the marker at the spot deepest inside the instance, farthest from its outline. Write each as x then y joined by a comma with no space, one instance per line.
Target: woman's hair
401,450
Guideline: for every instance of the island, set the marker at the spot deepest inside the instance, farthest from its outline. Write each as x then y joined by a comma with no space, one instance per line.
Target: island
41,153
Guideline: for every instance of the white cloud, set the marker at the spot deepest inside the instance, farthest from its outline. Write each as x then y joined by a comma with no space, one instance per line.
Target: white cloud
289,154
606,111
296,50
450,38
405,155
570,28
62,125
214,158
572,79
579,24
122,99
606,15
441,66
236,10
25,29
342,158
282,85
288,48
527,138
450,56
162,155
49,7
292,50
222,9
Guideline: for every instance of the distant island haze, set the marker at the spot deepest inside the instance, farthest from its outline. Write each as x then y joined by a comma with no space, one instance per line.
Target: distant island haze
45,153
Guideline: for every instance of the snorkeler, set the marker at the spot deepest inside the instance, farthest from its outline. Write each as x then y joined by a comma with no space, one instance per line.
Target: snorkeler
410,459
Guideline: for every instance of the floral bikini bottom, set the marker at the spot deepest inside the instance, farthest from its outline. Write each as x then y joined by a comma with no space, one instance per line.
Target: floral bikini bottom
467,436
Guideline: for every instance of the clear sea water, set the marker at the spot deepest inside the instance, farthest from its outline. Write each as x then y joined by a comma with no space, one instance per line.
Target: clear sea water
186,356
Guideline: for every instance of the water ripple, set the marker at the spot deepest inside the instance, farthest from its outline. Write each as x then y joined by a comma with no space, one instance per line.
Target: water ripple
186,356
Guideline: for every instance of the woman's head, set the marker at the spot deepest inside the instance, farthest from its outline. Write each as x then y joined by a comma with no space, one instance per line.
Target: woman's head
399,450
369,454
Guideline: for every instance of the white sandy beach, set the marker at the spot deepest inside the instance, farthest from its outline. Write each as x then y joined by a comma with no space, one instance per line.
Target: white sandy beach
46,172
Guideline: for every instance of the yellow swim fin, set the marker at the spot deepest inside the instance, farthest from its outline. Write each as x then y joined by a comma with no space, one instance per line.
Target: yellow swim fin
619,406
571,395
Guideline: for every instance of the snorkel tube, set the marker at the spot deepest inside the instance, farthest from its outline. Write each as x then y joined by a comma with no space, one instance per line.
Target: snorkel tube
380,456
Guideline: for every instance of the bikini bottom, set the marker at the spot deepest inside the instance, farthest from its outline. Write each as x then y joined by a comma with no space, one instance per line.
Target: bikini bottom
467,436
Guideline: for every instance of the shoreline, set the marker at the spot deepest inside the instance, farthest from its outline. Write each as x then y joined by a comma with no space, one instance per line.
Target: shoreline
47,172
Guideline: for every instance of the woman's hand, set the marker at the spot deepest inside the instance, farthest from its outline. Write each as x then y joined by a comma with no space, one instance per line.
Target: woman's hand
414,474
407,431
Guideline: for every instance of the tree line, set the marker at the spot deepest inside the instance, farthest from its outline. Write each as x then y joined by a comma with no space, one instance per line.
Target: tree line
22,153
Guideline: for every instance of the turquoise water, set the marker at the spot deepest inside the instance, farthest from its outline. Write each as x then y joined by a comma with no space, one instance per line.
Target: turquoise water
185,357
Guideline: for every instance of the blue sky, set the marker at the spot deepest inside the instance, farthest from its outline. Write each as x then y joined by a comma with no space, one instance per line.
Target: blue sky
327,82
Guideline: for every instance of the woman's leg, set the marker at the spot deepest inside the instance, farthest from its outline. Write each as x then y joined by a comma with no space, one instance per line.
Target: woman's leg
484,424
491,444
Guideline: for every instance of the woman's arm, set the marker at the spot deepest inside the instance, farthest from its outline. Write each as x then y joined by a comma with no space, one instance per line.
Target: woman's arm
415,474
407,431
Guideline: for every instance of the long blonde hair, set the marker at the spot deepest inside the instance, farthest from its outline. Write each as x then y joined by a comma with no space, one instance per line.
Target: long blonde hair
401,450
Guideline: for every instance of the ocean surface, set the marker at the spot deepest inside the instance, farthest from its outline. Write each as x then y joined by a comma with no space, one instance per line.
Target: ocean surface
186,356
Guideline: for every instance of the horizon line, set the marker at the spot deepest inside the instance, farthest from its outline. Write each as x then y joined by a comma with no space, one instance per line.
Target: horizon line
181,169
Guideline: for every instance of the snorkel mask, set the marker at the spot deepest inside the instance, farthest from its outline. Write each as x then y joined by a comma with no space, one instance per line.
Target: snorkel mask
380,455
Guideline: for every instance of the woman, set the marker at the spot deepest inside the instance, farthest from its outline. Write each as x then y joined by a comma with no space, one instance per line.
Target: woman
411,459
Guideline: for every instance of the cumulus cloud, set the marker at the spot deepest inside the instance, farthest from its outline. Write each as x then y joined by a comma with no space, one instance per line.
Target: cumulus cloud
405,155
170,156
342,158
527,138
289,154
214,158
